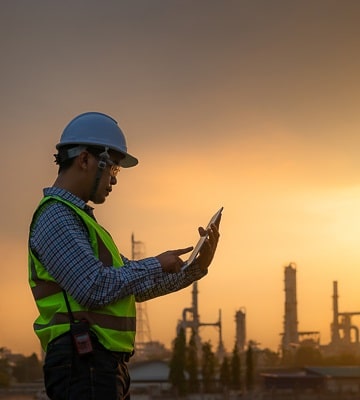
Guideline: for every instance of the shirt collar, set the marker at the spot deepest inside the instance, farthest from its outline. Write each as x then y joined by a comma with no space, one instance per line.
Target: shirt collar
68,196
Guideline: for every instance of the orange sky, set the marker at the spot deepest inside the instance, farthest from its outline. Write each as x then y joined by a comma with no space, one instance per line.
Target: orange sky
250,105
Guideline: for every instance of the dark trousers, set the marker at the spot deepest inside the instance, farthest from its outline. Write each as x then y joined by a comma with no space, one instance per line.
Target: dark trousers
99,375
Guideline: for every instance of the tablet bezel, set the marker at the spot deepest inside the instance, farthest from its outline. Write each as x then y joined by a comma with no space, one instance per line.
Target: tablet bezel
202,239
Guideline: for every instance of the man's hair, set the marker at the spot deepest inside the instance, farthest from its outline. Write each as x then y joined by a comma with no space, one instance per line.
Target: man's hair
63,160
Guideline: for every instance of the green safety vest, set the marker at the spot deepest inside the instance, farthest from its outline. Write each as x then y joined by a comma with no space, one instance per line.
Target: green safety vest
113,324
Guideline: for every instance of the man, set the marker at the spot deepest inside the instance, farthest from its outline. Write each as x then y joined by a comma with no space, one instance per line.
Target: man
85,290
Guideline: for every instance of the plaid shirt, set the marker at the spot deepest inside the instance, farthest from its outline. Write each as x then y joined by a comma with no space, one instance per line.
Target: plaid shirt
61,242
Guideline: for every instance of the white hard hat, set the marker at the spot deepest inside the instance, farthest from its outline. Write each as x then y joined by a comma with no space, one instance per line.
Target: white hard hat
97,129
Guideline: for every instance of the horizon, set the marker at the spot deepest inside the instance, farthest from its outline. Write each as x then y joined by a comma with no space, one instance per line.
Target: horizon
248,105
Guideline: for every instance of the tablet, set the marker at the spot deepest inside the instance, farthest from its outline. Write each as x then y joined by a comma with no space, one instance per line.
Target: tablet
202,239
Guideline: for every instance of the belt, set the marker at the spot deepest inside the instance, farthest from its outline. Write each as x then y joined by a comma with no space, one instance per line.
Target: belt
66,338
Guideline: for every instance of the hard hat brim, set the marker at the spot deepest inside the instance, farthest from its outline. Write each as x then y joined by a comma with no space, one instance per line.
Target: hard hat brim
127,161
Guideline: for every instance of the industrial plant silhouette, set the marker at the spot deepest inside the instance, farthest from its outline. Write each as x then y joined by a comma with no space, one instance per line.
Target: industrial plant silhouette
344,334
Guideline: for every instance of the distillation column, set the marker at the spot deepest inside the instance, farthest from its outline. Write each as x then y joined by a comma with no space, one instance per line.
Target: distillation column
342,323
290,335
335,336
194,323
240,323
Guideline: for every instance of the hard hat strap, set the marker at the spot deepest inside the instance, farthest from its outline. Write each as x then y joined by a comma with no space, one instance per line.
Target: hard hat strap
101,166
75,151
63,156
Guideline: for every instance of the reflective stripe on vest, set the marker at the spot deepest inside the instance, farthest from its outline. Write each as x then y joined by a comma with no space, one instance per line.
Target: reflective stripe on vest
114,324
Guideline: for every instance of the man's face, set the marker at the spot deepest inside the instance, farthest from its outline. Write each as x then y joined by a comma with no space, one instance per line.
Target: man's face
108,177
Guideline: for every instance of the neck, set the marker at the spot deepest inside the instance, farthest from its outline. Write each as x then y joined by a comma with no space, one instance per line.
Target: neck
72,185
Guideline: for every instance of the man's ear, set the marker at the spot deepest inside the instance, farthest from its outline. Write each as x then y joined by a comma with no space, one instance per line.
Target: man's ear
82,160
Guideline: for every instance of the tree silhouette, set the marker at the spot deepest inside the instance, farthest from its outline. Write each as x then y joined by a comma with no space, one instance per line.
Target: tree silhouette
208,366
192,364
249,368
177,364
307,355
27,369
235,369
225,376
5,370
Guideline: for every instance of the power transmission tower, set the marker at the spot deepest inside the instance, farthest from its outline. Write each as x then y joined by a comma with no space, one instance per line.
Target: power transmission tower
143,334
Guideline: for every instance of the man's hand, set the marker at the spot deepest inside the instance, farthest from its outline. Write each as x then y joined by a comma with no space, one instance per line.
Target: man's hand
209,247
170,260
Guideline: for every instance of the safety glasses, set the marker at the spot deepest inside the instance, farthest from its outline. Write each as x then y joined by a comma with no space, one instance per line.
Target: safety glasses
114,168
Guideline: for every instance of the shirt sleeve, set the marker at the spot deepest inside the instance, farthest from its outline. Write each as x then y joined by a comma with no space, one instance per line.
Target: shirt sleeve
60,240
155,282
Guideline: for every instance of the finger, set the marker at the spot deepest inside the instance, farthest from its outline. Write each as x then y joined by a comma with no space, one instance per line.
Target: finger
211,232
202,231
214,233
179,252
212,239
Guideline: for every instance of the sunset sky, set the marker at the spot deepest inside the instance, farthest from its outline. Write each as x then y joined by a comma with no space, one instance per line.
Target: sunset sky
252,105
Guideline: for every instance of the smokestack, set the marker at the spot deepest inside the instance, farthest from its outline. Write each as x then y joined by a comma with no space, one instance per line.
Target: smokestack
290,336
240,320
335,337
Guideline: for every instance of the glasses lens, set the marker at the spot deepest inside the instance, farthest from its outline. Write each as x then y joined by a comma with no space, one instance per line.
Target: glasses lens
114,170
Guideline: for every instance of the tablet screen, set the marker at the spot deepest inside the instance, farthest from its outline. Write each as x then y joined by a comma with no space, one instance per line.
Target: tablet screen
202,239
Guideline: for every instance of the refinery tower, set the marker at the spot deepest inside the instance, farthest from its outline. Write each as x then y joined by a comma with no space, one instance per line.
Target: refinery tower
290,338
